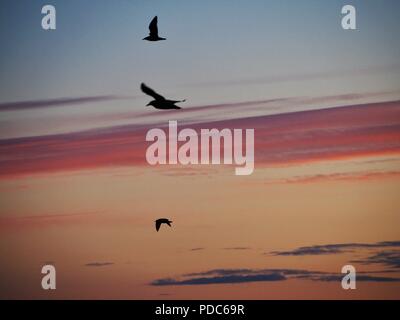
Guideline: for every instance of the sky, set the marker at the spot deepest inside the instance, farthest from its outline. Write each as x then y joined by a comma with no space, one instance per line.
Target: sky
77,192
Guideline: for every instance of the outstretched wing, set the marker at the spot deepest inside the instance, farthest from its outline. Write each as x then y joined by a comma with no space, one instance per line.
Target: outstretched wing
151,92
169,223
158,224
153,27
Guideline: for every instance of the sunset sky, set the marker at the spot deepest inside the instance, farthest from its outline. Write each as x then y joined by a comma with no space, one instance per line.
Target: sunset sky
76,190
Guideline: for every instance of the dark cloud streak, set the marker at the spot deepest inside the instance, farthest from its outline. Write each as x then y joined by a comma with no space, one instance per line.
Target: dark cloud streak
232,276
98,264
389,258
335,248
221,279
58,102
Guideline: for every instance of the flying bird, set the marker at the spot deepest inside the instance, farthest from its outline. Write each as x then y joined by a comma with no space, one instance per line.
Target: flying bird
153,34
159,101
159,222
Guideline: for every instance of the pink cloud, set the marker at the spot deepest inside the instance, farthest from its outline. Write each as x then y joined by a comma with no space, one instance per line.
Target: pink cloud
282,139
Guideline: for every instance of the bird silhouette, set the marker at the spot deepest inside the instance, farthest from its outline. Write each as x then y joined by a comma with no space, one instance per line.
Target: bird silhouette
153,34
159,101
159,222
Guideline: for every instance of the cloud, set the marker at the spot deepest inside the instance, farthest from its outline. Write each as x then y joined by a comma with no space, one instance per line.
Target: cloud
282,78
220,280
231,276
351,176
224,276
281,139
334,248
245,275
389,258
99,264
315,250
229,272
360,276
35,104
13,222
237,110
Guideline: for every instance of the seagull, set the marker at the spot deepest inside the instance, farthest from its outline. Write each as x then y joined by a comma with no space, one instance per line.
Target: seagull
153,35
159,222
159,101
